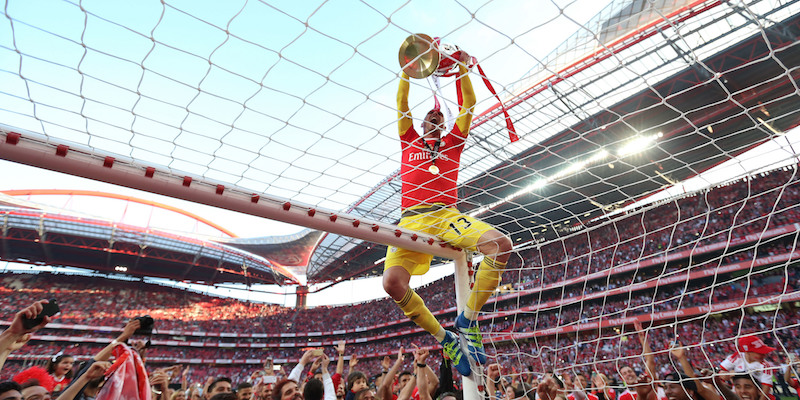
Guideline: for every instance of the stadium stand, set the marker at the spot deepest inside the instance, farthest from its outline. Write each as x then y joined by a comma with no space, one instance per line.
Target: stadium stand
569,308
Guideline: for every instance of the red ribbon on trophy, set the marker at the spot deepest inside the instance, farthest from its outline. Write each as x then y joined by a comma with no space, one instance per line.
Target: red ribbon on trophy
422,56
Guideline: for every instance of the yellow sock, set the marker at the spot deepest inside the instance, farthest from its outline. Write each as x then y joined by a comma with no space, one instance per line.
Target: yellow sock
486,281
415,309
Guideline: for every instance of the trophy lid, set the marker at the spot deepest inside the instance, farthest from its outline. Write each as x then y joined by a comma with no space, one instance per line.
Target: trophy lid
419,56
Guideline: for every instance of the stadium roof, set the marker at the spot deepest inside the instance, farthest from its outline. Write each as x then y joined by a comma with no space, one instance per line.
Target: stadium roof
31,236
707,104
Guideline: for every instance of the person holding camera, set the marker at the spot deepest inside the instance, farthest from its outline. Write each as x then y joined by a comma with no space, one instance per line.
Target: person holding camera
20,330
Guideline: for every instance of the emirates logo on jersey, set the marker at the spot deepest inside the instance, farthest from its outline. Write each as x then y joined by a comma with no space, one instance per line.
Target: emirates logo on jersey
424,155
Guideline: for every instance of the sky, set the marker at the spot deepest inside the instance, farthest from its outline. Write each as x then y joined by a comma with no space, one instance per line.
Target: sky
272,97
291,98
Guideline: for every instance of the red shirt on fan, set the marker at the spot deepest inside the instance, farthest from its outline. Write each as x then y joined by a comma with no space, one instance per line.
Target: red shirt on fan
631,394
627,395
589,396
420,186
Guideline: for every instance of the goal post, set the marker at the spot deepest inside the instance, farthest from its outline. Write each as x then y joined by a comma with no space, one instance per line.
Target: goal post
473,385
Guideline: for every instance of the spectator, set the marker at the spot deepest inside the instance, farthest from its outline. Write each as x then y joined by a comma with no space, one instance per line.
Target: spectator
747,387
220,385
750,359
286,389
704,390
356,382
365,394
244,391
494,389
35,374
88,388
17,335
224,396
424,373
578,390
10,390
313,390
602,390
790,374
317,389
178,395
81,389
550,388
60,368
32,390
159,383
387,389
680,387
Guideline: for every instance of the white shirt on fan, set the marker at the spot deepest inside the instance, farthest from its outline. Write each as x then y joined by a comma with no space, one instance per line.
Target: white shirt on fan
761,370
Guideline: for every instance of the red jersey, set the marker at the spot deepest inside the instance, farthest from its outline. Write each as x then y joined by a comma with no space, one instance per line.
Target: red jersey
589,396
628,395
420,186
632,395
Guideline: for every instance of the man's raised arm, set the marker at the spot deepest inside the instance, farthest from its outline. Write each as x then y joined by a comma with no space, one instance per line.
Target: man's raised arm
404,121
466,95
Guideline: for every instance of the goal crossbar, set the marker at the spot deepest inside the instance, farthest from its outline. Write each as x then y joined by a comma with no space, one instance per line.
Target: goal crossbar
26,148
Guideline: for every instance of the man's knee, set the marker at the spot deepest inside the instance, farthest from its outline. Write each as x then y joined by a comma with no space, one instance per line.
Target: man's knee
395,283
504,244
496,244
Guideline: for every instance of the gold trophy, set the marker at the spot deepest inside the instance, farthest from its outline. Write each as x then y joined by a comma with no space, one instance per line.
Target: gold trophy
421,56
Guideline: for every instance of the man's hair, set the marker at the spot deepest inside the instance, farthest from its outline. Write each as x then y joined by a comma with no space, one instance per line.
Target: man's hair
361,393
313,390
353,377
749,377
9,385
216,381
94,383
278,388
244,385
224,396
558,379
685,381
446,394
30,383
526,390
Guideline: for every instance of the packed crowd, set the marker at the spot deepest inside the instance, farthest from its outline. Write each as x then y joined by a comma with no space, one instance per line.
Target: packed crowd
683,224
653,351
563,302
725,213
664,299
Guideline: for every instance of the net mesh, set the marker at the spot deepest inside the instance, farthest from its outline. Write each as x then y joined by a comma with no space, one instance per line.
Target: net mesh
654,181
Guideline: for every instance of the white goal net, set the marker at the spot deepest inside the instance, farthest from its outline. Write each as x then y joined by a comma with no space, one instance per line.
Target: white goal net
655,180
